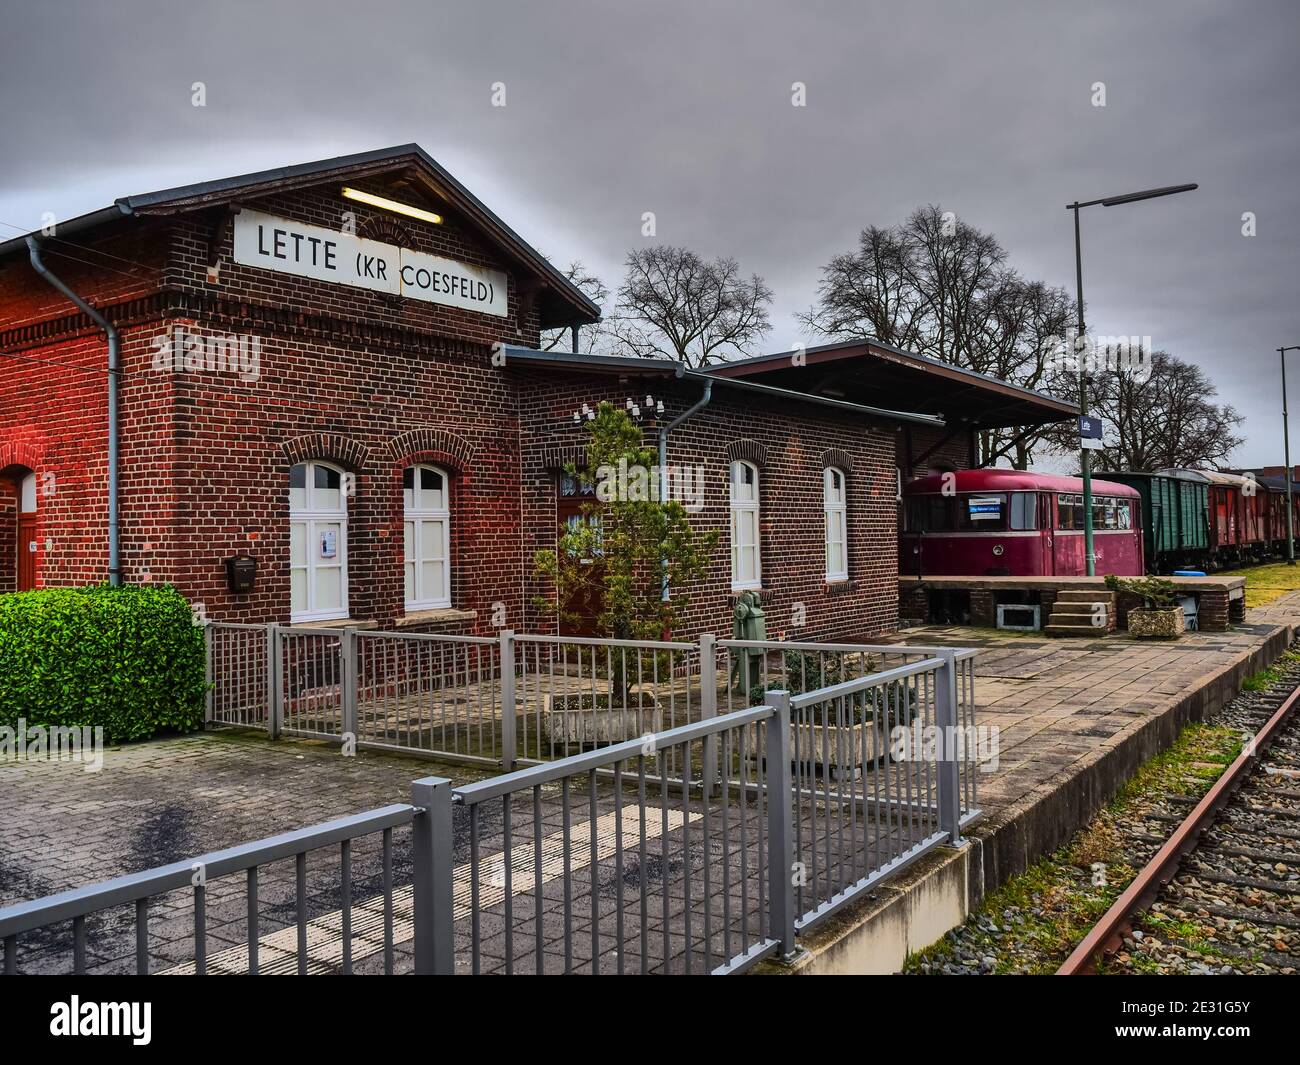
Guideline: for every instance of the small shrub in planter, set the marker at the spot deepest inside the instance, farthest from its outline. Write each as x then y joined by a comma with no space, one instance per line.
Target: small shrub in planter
1161,615
129,660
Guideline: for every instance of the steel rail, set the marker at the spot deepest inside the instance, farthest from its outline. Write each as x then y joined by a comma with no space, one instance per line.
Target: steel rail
1107,933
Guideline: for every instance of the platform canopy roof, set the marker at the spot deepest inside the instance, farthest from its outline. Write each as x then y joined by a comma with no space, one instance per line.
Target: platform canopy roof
867,371
625,367
412,175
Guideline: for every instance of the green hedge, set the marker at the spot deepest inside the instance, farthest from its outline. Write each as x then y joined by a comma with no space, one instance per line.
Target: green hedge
129,659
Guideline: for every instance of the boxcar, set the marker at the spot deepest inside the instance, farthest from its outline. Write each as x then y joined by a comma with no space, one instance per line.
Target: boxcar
1276,488
1013,523
1237,517
1175,527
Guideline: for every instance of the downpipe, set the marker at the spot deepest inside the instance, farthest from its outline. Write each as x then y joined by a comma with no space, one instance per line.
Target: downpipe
114,352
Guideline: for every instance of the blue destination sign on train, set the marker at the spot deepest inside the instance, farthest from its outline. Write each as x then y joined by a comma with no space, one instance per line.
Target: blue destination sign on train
346,259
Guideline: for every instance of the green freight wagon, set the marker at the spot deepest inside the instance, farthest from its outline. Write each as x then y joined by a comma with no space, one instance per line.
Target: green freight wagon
1175,517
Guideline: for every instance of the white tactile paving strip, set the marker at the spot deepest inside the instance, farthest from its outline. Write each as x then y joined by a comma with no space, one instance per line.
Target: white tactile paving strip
278,951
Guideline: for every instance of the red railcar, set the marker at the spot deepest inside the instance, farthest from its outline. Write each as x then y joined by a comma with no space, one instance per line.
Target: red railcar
1012,523
1275,489
1246,516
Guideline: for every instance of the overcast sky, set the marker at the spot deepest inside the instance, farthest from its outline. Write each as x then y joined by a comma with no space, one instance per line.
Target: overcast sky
684,109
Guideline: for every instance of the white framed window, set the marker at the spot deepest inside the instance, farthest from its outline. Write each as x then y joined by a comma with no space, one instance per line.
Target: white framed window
835,509
27,495
318,543
426,536
746,560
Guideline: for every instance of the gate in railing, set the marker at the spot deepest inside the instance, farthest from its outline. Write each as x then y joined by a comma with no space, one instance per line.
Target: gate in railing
428,694
238,674
705,847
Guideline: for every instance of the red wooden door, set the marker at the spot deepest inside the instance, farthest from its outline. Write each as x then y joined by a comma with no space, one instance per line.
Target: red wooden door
581,608
26,552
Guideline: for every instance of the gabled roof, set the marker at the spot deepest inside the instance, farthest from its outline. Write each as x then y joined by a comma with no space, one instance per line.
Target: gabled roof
881,373
561,303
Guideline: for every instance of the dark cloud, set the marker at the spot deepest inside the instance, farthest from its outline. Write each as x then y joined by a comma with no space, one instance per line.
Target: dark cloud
684,109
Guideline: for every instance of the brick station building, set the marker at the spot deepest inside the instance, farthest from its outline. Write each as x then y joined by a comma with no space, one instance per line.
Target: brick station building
334,369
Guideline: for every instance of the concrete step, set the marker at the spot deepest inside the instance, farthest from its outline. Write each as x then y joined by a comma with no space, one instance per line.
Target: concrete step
1082,608
1052,628
1086,596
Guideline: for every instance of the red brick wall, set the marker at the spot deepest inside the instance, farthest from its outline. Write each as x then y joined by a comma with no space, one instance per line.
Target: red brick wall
53,419
792,442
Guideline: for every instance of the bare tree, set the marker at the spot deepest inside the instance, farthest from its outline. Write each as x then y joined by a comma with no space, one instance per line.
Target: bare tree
673,304
938,286
589,336
1166,419
1017,340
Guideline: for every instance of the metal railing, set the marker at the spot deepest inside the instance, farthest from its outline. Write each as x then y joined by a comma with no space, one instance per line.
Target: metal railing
515,697
875,783
704,847
751,670
602,862
312,682
89,923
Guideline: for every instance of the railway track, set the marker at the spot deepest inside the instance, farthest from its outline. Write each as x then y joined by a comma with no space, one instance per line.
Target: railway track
1230,871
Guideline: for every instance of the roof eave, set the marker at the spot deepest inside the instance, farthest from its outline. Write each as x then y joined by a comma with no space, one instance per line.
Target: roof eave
844,350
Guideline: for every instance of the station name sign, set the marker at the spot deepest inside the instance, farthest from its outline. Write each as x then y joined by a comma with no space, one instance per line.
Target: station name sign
346,259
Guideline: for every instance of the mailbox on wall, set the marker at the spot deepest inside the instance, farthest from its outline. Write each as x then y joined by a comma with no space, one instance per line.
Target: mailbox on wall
240,572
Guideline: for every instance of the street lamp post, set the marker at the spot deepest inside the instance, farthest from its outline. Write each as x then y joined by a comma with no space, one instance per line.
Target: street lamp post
1286,454
1085,459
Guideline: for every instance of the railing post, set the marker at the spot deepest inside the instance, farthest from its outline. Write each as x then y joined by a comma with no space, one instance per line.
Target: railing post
945,718
209,691
274,681
509,709
780,826
709,708
348,682
431,854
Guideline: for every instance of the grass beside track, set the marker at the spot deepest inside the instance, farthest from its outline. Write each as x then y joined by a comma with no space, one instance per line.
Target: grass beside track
1267,583
1031,923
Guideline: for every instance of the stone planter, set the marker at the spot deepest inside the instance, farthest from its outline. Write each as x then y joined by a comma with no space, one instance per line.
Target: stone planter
821,747
826,750
1166,624
591,721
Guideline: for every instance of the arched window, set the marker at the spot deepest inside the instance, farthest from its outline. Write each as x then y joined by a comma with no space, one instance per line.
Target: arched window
746,561
318,543
834,507
427,533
